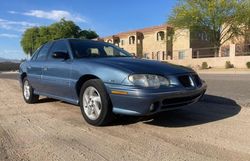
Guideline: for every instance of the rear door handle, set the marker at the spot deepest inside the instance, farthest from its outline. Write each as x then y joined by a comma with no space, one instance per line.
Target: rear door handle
45,68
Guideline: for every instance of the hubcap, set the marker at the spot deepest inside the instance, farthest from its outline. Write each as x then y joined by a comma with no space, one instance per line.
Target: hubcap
26,90
92,103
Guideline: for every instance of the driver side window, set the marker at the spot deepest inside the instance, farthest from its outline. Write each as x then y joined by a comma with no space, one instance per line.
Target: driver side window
58,46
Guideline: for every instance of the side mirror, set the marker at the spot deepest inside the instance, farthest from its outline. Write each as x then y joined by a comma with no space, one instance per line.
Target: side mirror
60,55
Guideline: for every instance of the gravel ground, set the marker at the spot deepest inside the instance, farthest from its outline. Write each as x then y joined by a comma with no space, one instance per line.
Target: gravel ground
217,128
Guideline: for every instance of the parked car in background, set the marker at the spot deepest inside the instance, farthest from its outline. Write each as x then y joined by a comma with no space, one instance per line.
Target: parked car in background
106,80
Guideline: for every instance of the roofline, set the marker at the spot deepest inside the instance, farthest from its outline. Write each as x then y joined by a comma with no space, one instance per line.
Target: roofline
142,30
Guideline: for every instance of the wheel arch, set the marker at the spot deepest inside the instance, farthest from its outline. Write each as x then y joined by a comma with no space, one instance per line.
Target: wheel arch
23,75
82,80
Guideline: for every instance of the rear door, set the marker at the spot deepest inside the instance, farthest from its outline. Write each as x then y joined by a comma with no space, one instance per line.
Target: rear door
36,65
57,72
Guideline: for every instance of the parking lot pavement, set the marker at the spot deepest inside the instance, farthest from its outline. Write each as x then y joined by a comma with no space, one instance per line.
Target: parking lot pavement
217,128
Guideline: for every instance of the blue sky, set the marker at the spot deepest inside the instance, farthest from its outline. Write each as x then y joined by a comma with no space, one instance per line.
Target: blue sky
106,17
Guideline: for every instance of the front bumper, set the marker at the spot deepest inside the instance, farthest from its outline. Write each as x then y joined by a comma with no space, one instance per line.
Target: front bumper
149,101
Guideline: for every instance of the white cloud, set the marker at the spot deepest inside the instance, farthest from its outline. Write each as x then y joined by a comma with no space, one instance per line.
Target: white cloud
13,12
15,25
55,15
9,35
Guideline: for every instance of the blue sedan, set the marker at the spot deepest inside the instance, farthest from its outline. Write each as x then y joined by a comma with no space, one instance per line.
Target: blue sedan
106,80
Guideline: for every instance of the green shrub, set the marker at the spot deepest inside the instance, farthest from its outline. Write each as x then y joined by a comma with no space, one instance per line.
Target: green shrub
204,65
248,65
229,65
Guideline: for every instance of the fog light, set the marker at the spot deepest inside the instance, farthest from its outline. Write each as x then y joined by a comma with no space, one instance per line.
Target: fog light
151,108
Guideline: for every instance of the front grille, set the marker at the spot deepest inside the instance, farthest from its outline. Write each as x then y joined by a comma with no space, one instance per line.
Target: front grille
185,80
180,100
197,80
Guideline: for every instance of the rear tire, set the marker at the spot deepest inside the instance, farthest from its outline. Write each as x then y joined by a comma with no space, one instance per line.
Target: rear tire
28,92
95,104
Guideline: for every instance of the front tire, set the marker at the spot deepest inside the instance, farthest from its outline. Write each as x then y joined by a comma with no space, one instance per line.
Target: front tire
95,103
28,92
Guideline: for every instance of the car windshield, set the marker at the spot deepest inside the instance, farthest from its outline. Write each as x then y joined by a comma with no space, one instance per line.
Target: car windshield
86,48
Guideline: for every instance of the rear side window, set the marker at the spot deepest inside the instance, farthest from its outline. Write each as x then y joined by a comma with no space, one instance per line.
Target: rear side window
34,56
43,52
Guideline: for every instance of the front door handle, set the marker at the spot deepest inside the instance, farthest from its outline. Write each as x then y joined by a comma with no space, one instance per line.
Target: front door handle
45,68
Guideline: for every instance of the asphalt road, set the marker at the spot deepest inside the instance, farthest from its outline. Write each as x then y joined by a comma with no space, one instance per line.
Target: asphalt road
233,86
217,128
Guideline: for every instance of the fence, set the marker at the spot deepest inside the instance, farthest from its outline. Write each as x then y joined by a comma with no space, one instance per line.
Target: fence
238,55
205,52
242,49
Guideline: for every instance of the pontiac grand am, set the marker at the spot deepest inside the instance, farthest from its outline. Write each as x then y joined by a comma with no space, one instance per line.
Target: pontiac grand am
105,80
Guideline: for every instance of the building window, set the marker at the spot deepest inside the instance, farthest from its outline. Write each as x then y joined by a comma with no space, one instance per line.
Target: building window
132,40
160,36
169,38
158,55
202,36
181,55
145,55
163,55
122,42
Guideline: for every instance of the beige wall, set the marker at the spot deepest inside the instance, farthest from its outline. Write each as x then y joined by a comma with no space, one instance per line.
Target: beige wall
129,47
181,39
151,45
215,62
181,43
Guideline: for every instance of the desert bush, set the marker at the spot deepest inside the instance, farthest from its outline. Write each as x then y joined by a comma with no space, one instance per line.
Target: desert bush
248,65
228,65
204,65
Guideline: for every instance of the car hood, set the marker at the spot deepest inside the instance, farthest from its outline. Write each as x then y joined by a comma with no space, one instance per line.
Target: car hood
135,65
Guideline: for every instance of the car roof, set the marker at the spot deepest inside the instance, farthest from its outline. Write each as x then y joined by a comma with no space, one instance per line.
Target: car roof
73,39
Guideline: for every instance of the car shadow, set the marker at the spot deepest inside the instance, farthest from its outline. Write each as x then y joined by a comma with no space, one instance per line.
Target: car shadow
46,100
209,109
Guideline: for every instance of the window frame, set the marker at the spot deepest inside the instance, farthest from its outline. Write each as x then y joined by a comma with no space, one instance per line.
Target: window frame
160,36
132,40
181,55
35,54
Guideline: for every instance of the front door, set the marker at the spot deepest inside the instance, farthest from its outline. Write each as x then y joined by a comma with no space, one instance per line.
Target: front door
57,72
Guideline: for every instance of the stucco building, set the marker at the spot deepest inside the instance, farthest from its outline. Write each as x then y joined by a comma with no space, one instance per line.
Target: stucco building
160,42
152,42
183,46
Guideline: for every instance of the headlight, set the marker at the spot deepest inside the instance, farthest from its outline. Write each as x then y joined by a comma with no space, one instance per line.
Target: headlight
148,80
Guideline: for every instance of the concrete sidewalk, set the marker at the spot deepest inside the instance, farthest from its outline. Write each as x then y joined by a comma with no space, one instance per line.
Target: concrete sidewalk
224,71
